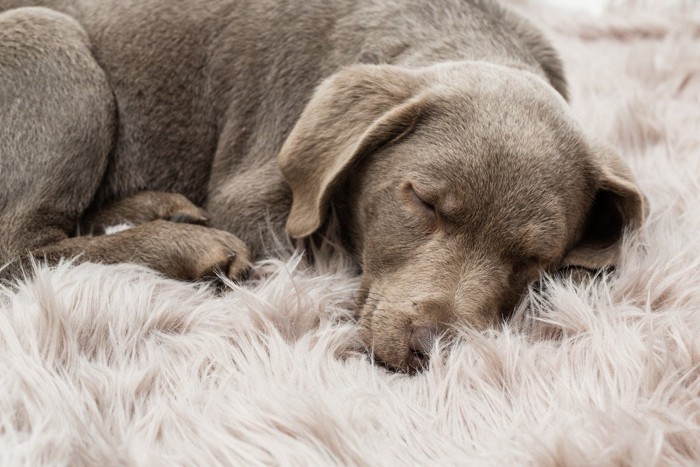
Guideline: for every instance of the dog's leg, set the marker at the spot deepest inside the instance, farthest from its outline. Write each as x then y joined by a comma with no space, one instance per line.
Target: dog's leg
143,207
181,251
57,128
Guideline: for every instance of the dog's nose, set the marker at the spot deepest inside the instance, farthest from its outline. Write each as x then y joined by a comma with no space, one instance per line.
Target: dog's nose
420,342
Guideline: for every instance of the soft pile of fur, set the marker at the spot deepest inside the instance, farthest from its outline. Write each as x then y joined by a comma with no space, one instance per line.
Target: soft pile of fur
115,365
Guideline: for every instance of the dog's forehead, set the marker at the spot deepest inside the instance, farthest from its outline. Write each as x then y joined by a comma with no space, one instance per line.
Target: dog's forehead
490,99
501,147
481,78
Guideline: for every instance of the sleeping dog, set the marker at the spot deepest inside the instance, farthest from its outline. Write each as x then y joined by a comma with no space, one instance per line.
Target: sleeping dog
437,132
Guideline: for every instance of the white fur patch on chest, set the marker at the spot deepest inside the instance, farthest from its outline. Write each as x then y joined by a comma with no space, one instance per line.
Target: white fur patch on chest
112,229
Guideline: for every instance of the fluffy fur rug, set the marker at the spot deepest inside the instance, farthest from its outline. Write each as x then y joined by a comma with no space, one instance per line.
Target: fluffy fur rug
117,366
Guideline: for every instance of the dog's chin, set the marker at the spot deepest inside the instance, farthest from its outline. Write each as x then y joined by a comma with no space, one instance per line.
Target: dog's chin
402,368
404,362
388,345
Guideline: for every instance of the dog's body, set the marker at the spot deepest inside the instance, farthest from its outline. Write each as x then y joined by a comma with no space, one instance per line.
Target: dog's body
208,91
107,99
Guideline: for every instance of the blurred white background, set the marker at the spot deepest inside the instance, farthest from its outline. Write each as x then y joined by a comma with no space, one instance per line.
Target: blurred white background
598,6
592,6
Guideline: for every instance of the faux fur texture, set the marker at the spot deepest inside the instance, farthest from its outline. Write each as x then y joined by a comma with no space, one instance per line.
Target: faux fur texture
117,366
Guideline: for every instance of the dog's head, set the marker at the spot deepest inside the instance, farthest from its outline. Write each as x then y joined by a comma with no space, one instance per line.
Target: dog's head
458,184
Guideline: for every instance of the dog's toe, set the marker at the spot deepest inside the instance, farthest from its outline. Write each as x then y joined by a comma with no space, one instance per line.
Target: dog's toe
197,217
225,255
238,267
182,210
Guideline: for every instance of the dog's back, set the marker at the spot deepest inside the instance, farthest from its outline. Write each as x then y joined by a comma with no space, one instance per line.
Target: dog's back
155,55
207,91
191,77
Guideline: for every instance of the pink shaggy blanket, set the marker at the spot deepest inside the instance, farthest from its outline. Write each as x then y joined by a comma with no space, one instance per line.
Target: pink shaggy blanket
117,366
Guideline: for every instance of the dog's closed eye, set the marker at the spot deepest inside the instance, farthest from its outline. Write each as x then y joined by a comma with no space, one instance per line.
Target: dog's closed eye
419,204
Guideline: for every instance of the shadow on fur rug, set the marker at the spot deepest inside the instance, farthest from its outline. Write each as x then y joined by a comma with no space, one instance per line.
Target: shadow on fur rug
117,366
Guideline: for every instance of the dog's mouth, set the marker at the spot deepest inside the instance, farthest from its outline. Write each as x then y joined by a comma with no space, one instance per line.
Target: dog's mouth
395,349
363,315
409,369
402,339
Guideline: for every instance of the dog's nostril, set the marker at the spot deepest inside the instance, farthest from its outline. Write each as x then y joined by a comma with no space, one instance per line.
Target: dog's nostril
420,342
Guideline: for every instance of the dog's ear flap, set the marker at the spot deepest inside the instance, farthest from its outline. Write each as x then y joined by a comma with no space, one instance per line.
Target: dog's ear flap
353,113
618,206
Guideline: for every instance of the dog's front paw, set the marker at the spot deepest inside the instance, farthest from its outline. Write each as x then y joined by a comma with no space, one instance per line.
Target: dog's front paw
218,253
180,251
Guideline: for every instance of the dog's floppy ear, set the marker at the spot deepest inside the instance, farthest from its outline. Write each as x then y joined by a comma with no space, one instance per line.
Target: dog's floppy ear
352,113
618,206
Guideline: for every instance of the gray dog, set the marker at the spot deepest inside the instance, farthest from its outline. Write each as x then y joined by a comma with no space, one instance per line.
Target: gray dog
438,132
